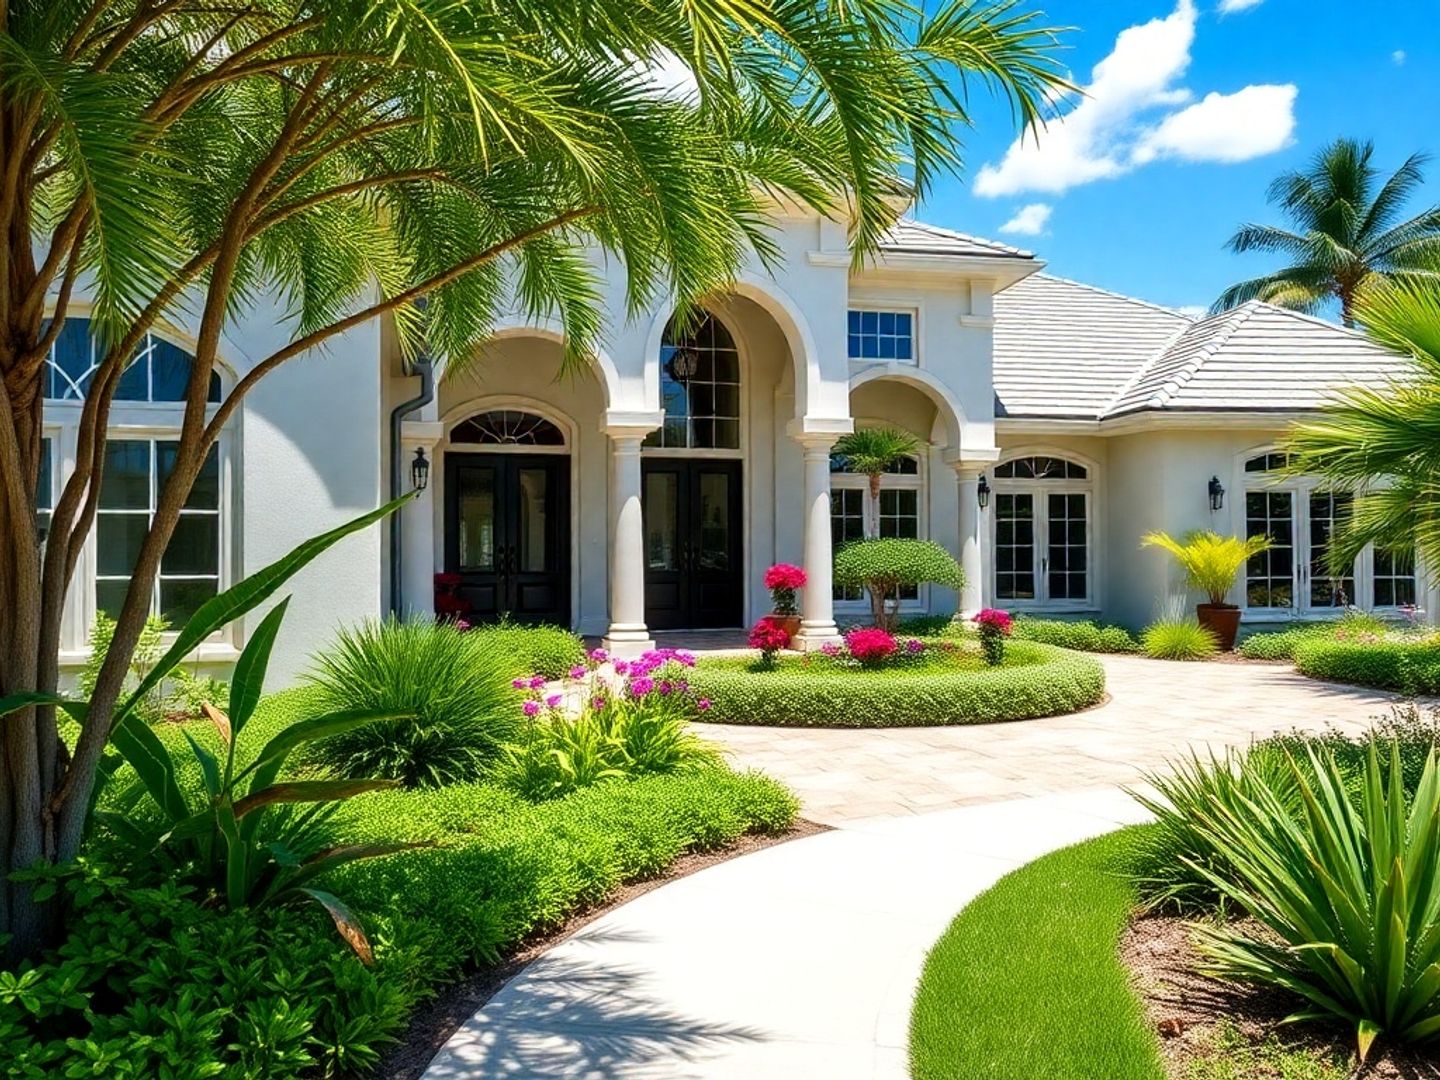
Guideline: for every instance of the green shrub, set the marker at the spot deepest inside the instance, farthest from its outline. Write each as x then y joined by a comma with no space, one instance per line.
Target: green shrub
506,868
1083,635
930,626
1178,639
1035,680
1348,888
882,567
152,983
535,650
1280,644
1412,667
455,683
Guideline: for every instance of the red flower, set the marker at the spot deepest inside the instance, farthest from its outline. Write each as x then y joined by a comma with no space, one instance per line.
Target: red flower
994,620
870,644
768,636
784,576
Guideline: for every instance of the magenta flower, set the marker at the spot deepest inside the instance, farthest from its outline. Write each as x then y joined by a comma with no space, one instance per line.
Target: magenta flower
641,686
599,655
552,701
830,649
578,671
683,686
597,702
621,667
537,681
870,644
914,645
520,684
703,704
785,576
531,708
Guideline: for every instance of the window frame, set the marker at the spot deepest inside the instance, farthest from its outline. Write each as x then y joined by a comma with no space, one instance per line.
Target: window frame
742,355
1040,489
870,518
880,307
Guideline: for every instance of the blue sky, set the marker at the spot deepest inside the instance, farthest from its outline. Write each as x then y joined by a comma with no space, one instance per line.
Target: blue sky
1195,111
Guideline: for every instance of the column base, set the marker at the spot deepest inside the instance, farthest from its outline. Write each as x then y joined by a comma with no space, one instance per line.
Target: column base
814,636
625,641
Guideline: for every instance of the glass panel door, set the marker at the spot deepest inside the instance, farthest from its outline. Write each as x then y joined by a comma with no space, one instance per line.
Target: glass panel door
1066,546
713,549
532,506
1014,545
1328,511
1270,575
477,518
662,512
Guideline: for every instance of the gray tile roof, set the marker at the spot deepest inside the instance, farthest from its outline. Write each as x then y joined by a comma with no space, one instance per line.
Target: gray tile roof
910,237
1063,349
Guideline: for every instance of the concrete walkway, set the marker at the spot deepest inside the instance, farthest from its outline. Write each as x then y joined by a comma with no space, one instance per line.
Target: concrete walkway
1157,709
796,962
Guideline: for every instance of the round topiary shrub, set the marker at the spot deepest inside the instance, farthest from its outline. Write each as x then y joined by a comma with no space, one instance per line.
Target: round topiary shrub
1035,680
1412,667
884,566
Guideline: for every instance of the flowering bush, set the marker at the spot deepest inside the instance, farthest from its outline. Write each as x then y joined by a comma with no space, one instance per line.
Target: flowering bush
449,604
769,637
995,626
870,644
782,580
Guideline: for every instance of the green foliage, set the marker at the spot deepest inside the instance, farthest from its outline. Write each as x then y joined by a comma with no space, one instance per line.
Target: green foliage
1410,666
1210,561
503,868
1348,889
455,684
1083,635
152,982
1035,680
1027,982
537,650
180,692
883,566
623,738
1178,639
875,450
1280,644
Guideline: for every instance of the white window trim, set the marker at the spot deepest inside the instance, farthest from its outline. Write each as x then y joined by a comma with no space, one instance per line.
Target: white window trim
1090,488
898,307
870,510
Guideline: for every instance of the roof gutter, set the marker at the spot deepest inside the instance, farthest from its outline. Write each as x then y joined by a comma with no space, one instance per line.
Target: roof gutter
425,368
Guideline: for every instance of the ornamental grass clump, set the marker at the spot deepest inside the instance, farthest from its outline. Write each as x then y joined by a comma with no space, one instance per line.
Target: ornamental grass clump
994,627
1172,638
783,580
1211,562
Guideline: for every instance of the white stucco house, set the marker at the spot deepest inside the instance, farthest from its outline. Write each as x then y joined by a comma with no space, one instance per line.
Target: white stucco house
651,491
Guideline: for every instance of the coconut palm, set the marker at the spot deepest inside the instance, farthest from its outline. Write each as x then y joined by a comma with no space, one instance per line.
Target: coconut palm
1347,232
1384,445
359,157
875,451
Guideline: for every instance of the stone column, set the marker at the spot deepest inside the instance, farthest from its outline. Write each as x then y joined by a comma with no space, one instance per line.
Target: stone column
972,524
817,608
627,635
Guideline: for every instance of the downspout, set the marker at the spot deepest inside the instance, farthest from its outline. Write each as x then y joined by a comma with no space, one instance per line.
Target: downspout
425,368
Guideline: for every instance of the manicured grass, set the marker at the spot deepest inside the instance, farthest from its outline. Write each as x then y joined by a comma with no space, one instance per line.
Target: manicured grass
1026,981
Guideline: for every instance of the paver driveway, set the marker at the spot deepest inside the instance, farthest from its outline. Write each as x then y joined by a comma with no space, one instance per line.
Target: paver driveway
1156,710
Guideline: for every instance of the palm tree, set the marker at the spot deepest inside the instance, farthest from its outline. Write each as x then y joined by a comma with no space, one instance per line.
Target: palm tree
427,162
1347,232
1384,445
875,451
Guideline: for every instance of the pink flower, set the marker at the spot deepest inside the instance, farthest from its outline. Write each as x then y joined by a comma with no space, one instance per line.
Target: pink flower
785,576
578,671
520,684
552,701
703,704
537,681
914,645
830,649
599,655
870,644
621,667
597,702
682,686
531,708
666,686
641,686
994,620
768,636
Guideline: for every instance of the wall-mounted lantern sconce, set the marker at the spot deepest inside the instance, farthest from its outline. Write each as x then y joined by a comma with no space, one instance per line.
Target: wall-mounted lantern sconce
419,470
1217,494
982,492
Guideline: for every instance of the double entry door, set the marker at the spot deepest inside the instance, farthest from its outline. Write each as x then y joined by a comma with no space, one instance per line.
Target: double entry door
1042,546
507,535
694,558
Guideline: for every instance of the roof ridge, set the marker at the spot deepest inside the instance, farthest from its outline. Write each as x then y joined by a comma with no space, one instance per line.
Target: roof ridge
1233,319
1305,316
971,237
1189,320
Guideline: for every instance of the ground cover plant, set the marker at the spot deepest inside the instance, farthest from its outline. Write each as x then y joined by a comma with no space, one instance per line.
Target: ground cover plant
930,681
1411,666
1083,635
1059,1006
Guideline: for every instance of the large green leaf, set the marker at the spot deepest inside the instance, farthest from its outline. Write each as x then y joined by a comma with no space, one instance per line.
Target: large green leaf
147,755
246,595
271,759
345,922
307,791
248,681
13,703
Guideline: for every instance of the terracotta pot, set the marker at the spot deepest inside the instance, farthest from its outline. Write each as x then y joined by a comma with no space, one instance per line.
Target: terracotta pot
791,623
1222,620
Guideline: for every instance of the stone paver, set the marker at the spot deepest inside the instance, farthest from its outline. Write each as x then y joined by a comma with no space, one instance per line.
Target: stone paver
795,962
1157,710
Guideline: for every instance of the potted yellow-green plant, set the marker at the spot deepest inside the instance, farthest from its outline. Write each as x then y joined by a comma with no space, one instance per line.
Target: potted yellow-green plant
1211,563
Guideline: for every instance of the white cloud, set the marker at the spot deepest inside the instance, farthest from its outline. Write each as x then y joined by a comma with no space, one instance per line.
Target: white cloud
1114,128
1029,220
1195,311
1398,56
1229,7
1249,123
667,74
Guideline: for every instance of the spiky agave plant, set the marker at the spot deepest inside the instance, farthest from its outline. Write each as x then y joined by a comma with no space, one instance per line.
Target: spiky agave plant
875,451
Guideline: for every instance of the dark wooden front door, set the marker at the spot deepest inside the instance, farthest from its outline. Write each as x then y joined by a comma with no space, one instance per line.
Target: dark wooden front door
507,534
694,559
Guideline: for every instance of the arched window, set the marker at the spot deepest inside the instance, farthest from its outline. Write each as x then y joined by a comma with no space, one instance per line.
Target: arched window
699,388
1042,527
1301,515
158,372
507,427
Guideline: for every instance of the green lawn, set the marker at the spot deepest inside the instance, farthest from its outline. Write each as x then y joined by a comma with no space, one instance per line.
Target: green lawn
1026,981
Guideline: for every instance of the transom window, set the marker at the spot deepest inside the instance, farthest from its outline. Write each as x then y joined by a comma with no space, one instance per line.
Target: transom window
881,335
1042,528
896,513
699,389
1301,517
159,371
507,427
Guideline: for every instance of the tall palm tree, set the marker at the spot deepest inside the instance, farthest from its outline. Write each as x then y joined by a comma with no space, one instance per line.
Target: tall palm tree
1384,445
875,451
1347,231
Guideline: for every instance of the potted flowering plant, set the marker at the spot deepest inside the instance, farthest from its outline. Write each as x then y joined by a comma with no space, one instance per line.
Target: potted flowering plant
450,606
783,579
769,636
994,626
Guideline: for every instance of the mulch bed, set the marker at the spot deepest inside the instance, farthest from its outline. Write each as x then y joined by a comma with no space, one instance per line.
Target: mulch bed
434,1022
1187,1007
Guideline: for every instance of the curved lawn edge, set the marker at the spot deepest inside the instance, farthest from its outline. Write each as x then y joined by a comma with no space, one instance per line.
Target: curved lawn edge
1027,980
1037,680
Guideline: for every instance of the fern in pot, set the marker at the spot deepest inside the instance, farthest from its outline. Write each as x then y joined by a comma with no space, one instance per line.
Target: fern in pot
1211,563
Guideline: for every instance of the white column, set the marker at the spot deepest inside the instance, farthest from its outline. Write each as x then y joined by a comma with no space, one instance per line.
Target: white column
419,561
628,635
972,519
817,605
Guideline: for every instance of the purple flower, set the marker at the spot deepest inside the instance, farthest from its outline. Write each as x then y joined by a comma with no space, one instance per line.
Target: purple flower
914,645
520,684
666,686
682,686
830,649
597,702
531,708
552,701
686,658
703,704
641,686
537,681
599,655
578,671
621,667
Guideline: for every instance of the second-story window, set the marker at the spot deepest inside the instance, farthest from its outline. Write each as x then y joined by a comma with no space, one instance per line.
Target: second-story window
882,335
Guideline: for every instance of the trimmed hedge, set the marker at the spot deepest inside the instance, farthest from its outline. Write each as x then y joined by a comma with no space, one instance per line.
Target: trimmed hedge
1082,635
1035,680
1281,644
1412,667
536,650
